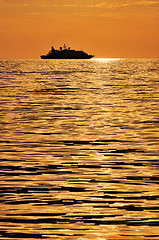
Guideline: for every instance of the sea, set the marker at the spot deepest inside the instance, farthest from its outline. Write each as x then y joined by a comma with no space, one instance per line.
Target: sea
79,149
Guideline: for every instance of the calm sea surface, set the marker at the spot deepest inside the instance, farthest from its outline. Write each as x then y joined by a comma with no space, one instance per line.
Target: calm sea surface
79,149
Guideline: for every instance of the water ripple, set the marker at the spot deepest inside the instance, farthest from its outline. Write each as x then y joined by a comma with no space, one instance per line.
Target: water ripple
79,149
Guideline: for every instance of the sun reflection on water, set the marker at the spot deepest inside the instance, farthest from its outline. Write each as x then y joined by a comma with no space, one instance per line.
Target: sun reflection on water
106,59
79,149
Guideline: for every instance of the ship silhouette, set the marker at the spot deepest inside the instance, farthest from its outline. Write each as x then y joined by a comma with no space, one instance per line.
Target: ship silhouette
66,53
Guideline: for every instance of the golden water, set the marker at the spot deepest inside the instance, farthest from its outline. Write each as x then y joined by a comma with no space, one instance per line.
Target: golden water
79,149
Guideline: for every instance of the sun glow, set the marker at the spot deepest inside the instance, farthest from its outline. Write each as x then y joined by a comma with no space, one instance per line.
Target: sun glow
105,59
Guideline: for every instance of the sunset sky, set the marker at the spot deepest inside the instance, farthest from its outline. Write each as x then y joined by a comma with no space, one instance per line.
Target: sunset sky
106,28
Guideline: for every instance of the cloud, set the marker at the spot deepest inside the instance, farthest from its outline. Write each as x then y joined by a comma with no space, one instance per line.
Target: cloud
128,4
16,1
89,4
113,5
147,3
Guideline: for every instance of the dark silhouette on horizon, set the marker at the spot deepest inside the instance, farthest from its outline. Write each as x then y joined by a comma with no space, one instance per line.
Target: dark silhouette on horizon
66,53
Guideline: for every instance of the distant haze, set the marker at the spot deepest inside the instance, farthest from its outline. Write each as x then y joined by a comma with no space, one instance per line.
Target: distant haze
105,28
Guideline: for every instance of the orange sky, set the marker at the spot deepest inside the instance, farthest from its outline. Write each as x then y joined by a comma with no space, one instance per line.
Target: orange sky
106,28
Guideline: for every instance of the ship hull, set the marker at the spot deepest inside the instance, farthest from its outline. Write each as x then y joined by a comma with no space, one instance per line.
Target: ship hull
66,57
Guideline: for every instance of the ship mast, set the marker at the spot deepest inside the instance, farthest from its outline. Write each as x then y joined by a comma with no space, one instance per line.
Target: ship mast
64,47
